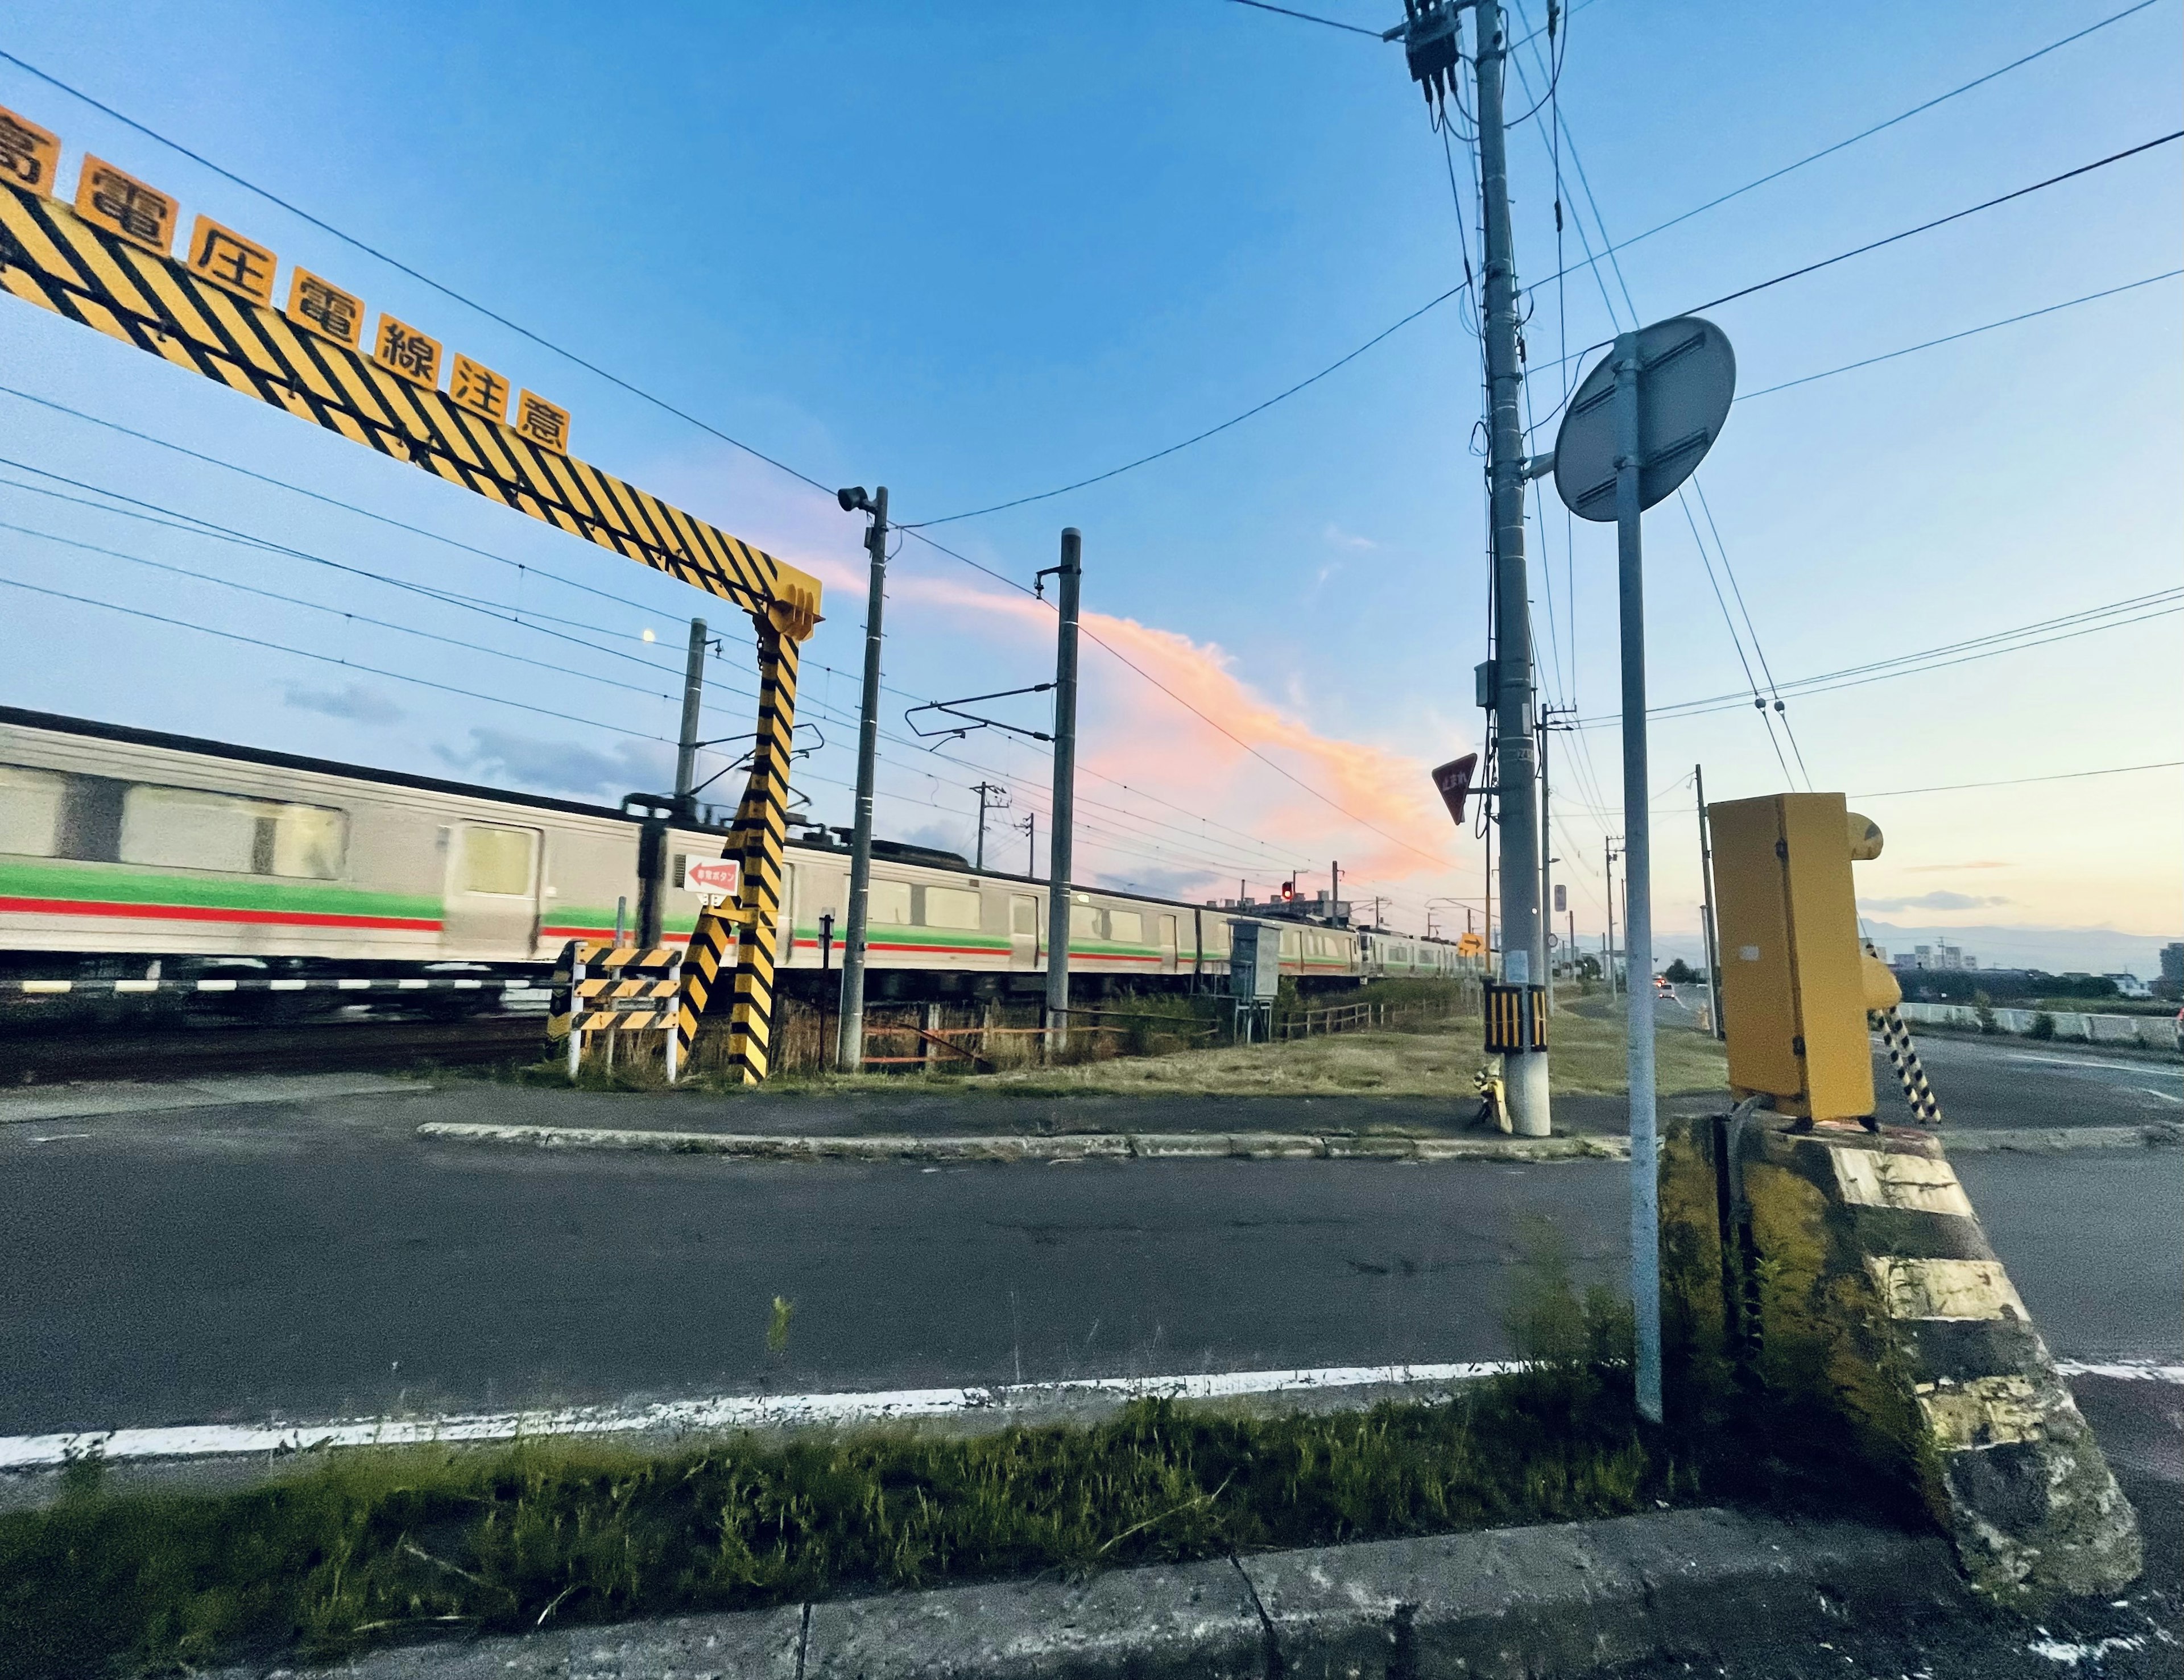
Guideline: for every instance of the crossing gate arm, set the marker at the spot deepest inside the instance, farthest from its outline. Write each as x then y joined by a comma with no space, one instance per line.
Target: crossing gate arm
212,312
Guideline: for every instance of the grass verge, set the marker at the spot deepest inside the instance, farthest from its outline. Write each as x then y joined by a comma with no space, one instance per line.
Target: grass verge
375,1547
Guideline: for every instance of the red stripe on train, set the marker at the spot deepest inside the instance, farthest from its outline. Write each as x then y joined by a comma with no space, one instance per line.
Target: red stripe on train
213,912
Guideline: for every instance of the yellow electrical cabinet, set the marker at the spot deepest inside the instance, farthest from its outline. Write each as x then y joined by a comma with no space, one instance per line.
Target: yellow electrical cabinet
1793,989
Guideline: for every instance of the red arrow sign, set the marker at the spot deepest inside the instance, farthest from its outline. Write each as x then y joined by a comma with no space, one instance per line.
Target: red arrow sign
724,875
1453,779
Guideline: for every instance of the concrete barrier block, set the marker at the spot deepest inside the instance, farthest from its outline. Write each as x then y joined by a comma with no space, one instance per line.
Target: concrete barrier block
1883,1313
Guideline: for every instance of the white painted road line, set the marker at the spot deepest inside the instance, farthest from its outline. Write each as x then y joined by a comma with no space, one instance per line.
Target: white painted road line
721,1413
2079,1062
784,1411
2124,1371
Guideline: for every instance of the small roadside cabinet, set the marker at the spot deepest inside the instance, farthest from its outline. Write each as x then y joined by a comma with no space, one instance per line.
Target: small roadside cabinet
1793,995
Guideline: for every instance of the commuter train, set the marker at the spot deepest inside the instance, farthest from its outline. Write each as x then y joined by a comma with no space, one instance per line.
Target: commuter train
128,854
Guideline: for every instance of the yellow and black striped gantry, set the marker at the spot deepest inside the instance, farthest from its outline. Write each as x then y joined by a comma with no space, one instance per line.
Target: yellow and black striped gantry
110,262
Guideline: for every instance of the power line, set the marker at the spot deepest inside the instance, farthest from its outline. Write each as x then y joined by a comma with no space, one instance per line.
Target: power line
2168,139
402,267
1200,438
202,527
316,496
1307,17
1867,134
325,658
1951,338
2021,780
2161,604
560,670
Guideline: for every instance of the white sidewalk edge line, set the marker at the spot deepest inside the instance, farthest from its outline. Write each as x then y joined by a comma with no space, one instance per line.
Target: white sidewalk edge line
720,1413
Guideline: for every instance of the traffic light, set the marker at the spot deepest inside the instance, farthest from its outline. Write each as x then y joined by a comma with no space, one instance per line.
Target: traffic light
1289,891
1796,980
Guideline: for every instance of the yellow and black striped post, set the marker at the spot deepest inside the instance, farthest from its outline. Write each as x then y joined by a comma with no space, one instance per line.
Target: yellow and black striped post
760,838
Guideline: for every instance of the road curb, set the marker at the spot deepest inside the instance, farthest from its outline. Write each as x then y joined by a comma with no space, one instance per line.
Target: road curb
1060,1147
1539,1604
2155,1134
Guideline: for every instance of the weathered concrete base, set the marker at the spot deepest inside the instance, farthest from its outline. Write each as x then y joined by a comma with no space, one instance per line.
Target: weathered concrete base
1867,1284
1524,1603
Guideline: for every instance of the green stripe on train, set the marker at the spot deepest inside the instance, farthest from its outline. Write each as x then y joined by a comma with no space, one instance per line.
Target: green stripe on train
116,883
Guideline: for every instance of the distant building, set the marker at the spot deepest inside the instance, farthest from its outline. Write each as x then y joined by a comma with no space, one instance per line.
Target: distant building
1944,959
2172,968
2129,985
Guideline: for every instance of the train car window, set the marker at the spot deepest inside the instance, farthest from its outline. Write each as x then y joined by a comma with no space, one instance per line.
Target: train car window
1126,926
1084,922
1217,936
1023,917
192,828
496,861
950,907
183,828
308,841
1289,944
30,811
888,902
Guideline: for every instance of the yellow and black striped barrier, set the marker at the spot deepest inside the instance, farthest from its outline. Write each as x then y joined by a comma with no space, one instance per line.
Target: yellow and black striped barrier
600,987
110,261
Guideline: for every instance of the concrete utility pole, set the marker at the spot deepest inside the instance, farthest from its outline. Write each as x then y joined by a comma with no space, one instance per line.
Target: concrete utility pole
1526,1076
693,695
849,1052
1070,572
1705,905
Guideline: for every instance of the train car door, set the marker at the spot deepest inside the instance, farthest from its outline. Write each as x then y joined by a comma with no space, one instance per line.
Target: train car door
1023,931
491,905
1168,944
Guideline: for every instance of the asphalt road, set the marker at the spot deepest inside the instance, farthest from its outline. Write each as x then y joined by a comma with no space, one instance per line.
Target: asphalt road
2020,1081
315,1260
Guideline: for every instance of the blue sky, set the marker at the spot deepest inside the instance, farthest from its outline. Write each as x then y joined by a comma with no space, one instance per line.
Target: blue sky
973,253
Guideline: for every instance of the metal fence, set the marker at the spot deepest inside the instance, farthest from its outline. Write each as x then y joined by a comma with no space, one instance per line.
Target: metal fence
1372,1017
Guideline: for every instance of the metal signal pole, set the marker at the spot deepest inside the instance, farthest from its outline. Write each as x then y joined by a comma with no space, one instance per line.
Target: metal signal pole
1062,822
849,1050
1521,929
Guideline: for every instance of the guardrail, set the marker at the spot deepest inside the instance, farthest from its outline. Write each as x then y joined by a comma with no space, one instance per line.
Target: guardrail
2149,1031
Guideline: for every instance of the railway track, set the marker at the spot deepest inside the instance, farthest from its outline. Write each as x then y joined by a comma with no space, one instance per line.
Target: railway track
31,1055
